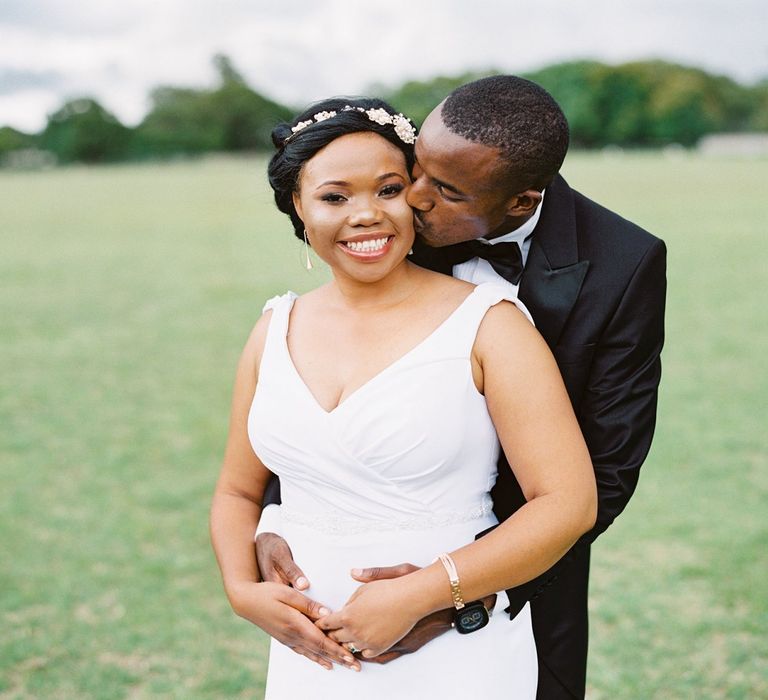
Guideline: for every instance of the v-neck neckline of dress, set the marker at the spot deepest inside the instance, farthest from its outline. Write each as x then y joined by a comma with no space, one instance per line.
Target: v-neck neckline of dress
374,377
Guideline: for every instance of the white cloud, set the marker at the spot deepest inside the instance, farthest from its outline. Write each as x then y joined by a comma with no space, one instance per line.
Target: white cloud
304,50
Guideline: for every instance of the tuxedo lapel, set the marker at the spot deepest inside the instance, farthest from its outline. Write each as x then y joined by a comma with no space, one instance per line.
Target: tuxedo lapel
550,293
553,273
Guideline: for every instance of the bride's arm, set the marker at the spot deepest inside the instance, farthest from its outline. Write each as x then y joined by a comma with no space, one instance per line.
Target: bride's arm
279,610
541,438
236,505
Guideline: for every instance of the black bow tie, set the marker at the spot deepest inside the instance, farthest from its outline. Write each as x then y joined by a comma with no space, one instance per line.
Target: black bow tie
505,258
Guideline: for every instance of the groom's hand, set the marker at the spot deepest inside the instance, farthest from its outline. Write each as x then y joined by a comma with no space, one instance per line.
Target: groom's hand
424,630
276,562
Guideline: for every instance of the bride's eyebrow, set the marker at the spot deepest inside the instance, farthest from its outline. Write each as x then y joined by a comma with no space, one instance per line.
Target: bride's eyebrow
344,183
388,175
335,183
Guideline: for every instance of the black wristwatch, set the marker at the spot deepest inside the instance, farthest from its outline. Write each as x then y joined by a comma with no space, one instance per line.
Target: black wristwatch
472,617
468,617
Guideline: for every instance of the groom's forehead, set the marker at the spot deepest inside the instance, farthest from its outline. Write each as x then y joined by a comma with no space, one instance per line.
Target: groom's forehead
436,137
452,155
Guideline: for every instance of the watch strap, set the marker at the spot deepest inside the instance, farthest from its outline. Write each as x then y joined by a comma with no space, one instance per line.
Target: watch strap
453,578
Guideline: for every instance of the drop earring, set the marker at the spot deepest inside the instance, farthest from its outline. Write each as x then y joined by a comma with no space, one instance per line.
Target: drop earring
308,263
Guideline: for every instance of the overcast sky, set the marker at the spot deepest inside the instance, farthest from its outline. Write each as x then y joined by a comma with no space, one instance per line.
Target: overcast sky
298,51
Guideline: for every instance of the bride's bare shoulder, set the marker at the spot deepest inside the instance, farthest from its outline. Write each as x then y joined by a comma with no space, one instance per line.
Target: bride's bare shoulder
313,302
445,284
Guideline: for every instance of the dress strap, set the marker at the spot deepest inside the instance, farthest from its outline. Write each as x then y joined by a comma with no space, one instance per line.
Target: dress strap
493,293
461,330
278,328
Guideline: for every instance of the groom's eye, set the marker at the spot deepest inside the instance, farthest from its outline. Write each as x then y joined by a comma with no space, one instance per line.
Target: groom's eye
446,194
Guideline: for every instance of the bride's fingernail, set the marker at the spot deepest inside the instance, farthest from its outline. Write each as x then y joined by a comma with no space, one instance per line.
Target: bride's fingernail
357,572
324,611
301,582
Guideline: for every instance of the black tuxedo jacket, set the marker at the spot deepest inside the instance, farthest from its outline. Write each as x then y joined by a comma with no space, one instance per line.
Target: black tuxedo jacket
595,285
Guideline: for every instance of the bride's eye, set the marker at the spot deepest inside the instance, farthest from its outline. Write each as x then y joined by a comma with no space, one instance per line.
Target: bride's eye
333,198
391,190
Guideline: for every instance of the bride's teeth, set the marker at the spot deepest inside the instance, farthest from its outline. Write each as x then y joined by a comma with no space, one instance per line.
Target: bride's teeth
367,246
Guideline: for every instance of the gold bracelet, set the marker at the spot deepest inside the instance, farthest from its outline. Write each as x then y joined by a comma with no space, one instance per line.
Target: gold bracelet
453,578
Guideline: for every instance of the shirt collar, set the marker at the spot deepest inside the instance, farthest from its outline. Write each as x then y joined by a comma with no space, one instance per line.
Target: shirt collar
521,233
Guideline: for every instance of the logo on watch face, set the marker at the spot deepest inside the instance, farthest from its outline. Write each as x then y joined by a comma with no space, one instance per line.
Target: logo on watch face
472,620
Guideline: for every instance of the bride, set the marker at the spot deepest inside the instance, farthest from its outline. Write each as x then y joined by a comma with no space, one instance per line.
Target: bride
381,400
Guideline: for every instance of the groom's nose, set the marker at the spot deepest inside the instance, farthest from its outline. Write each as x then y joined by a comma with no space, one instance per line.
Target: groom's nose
419,195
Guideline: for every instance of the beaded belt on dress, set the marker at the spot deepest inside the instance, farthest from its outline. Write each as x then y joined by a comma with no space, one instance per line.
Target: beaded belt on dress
338,524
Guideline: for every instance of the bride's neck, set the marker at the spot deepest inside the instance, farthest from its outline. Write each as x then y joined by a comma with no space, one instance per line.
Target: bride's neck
398,286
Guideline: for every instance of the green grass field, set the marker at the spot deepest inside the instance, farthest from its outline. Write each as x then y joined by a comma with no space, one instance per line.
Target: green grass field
127,293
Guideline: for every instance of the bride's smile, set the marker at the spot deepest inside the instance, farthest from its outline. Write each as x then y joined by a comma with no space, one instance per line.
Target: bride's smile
368,247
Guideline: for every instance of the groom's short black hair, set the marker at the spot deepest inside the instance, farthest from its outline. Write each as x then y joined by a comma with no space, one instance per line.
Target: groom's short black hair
518,118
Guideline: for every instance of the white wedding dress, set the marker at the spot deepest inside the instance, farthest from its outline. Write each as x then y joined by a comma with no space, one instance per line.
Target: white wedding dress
399,472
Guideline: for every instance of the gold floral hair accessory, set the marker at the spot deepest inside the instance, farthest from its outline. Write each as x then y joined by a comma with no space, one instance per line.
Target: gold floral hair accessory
405,131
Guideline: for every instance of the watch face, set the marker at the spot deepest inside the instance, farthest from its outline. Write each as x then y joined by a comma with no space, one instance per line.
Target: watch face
473,617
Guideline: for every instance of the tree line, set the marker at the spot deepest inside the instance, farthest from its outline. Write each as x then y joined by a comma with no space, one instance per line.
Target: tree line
638,104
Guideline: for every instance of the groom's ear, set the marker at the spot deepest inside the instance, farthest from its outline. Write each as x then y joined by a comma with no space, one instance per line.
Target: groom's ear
523,204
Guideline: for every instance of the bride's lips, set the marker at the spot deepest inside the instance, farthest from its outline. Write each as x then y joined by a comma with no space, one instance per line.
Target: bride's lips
368,248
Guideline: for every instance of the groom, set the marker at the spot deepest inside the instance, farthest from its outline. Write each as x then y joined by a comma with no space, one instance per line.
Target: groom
487,172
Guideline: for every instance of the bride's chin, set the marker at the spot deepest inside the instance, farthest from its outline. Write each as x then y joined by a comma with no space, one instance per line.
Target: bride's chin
358,266
368,274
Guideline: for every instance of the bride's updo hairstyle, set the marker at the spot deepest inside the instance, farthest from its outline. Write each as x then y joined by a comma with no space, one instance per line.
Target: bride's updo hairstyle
320,124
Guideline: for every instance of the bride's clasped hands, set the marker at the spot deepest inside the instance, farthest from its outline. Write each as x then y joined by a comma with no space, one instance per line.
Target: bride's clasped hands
394,605
377,616
290,617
